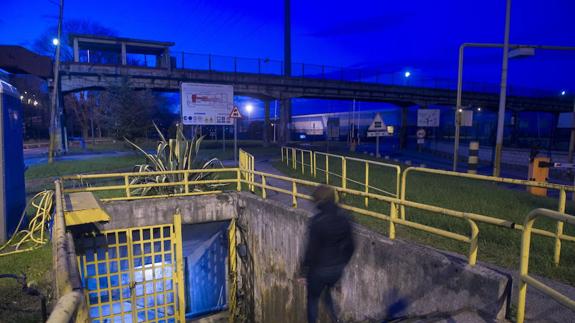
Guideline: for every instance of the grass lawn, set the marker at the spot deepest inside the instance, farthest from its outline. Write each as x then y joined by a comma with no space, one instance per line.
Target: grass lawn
497,245
15,306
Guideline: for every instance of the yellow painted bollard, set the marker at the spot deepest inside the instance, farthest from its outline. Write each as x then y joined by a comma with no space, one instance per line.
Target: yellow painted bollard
473,158
392,218
327,169
294,194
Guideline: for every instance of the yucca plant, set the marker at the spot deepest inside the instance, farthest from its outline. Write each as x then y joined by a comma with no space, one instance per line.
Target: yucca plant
173,155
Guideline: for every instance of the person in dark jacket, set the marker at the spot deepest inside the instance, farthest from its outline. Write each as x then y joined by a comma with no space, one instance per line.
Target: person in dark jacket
329,248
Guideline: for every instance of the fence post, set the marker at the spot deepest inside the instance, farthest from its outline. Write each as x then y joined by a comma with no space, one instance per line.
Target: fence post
559,230
392,218
311,161
472,258
343,173
179,264
264,193
294,194
127,185
282,152
302,163
314,164
186,184
366,183
293,158
239,179
327,169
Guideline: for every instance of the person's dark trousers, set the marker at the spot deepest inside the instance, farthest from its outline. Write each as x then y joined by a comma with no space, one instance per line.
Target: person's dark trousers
321,280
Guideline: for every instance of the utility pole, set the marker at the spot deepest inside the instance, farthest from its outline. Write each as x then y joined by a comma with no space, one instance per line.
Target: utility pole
285,113
502,95
54,113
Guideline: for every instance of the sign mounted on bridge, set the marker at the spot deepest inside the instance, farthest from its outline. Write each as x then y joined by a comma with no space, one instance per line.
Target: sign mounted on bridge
206,104
428,118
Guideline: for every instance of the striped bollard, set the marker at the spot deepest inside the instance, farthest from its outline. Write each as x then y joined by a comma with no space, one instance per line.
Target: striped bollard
473,157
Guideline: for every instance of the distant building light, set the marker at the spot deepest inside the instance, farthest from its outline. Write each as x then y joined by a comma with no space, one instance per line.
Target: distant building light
55,42
563,92
21,97
302,136
249,108
35,103
407,74
479,109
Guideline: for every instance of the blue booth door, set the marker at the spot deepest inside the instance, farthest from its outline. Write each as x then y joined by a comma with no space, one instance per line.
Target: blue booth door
205,251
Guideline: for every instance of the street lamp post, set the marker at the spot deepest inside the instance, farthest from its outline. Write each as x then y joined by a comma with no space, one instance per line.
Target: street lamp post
459,106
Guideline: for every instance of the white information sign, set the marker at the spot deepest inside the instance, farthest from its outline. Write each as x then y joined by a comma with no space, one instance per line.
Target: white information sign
428,118
206,104
467,118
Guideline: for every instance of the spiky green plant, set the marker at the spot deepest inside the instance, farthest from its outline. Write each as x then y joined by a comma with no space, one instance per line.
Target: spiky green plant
173,155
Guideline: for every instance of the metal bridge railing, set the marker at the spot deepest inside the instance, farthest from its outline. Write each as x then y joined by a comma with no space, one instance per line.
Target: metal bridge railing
524,278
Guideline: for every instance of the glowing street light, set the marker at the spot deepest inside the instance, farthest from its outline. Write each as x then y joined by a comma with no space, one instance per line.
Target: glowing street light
563,92
55,42
407,74
249,108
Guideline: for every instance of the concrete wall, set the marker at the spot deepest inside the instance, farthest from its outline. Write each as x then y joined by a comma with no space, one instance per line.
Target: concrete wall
205,208
385,278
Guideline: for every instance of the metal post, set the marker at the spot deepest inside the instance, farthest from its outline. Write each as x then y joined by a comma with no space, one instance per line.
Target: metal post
458,107
224,138
377,155
559,229
235,139
502,95
54,115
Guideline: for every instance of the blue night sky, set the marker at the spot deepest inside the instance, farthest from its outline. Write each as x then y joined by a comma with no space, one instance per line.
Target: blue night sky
392,36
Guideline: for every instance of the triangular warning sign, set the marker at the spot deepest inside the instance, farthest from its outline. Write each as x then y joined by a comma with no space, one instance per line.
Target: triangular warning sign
235,113
377,123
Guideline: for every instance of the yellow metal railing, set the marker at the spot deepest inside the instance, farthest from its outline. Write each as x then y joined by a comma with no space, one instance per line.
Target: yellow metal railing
246,162
71,305
392,218
343,162
123,186
524,278
558,235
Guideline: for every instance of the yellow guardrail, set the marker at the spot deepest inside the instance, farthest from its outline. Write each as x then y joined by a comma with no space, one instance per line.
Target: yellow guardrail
71,305
344,161
524,278
246,162
563,189
392,218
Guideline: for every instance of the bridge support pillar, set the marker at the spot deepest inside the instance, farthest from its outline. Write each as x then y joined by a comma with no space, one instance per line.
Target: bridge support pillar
266,127
285,118
403,130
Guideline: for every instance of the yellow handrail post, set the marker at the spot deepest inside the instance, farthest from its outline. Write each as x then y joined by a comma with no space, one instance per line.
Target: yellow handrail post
314,164
343,173
186,183
302,163
403,185
233,271
127,185
472,258
392,218
264,193
239,180
311,163
559,231
523,268
179,265
366,183
327,169
294,194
